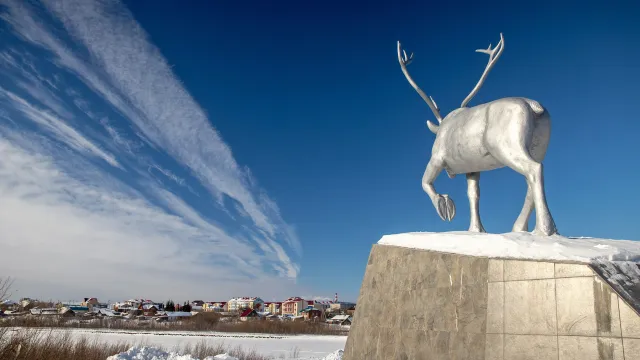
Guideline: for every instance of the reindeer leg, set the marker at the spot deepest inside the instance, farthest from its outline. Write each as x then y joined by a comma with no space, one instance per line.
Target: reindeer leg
522,223
473,192
511,144
544,222
445,206
532,170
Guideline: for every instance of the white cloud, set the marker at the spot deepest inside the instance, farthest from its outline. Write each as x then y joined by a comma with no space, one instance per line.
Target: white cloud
70,221
67,231
57,127
168,115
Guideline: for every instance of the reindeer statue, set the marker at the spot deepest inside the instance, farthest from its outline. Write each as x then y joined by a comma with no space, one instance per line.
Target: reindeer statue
511,132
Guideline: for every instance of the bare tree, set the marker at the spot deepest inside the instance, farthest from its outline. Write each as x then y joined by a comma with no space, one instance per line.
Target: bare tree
5,287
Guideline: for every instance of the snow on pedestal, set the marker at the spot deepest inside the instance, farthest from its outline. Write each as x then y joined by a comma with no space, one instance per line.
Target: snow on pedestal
519,246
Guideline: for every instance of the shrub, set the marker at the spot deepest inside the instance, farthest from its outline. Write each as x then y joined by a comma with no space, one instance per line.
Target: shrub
39,344
205,321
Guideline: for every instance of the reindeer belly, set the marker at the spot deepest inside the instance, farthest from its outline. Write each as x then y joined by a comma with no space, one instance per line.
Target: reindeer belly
466,151
471,162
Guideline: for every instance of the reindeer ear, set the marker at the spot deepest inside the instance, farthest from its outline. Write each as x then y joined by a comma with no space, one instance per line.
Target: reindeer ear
433,127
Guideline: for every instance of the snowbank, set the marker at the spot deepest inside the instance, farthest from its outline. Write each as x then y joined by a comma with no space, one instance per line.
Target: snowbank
337,355
519,246
222,357
151,353
148,353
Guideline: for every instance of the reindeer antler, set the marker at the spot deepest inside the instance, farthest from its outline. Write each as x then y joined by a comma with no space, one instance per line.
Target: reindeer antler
493,57
406,60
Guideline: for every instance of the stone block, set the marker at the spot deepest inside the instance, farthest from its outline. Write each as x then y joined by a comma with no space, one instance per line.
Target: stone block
496,270
631,349
530,307
629,321
530,347
589,348
417,304
493,348
572,270
495,308
576,306
527,270
606,309
465,346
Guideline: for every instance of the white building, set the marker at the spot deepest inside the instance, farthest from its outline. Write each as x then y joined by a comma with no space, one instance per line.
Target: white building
342,306
323,305
243,303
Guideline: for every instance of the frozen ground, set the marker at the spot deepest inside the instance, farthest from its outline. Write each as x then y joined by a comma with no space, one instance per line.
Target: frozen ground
276,346
519,246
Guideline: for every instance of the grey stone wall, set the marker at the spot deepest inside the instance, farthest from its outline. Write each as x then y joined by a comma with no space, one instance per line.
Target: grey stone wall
418,304
546,310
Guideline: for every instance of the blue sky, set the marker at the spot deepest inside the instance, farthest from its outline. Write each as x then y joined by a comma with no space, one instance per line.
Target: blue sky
190,150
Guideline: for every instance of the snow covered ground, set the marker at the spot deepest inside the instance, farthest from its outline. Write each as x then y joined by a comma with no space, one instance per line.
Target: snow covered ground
151,353
519,246
276,346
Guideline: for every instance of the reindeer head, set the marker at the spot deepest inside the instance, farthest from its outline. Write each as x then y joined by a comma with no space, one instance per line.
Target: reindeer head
405,60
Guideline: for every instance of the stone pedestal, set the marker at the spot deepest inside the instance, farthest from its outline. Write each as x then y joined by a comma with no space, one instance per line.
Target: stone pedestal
422,304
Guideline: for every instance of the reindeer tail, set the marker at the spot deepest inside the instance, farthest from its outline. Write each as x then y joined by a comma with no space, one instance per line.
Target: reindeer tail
535,107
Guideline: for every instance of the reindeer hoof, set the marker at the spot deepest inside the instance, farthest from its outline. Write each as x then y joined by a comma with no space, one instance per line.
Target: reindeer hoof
445,206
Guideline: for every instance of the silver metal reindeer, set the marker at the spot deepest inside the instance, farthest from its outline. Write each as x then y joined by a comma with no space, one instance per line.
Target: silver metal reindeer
512,132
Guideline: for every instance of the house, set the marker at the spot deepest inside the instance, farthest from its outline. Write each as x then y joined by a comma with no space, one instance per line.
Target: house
351,311
108,313
66,312
293,306
274,308
44,311
24,302
323,305
242,303
248,314
149,309
197,305
98,306
6,304
217,306
124,306
89,302
15,313
77,309
134,313
341,306
177,315
133,304
340,320
311,313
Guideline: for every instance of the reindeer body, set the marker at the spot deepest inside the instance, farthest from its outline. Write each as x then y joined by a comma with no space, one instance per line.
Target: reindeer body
512,132
478,138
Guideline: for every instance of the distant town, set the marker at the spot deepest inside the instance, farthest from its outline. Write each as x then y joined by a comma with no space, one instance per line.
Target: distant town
241,308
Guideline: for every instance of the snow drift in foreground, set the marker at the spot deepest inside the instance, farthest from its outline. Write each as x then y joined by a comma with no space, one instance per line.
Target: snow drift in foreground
151,353
519,245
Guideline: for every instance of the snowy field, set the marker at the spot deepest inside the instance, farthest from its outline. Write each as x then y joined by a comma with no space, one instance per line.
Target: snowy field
275,346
